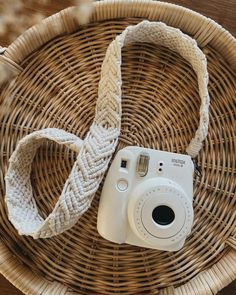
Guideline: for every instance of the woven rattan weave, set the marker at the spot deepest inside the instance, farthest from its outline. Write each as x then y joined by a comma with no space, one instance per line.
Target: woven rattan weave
57,70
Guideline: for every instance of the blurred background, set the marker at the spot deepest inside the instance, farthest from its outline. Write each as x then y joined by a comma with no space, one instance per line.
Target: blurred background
18,15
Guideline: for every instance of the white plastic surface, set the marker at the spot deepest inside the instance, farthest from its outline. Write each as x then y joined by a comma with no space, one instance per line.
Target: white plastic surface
127,200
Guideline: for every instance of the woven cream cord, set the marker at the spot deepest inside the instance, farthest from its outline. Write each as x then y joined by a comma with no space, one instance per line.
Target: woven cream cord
94,153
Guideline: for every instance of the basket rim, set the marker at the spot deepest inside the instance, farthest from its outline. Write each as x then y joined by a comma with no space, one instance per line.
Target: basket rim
29,283
207,32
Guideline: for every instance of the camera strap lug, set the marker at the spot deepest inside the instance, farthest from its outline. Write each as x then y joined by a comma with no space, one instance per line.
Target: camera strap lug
197,168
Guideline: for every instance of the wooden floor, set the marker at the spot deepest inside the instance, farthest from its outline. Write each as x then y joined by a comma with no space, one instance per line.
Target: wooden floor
221,11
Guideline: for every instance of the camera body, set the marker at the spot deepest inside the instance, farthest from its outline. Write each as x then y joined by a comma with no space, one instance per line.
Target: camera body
147,199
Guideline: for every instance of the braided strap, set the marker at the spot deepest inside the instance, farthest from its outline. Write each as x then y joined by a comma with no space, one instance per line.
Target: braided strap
94,153
109,95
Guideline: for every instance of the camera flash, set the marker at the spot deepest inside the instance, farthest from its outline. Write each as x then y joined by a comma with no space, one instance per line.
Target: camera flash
142,164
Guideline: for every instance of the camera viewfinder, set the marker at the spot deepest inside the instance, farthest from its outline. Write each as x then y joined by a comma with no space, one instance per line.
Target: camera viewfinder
123,164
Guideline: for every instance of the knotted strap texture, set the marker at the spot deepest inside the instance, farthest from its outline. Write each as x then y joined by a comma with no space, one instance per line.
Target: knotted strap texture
94,153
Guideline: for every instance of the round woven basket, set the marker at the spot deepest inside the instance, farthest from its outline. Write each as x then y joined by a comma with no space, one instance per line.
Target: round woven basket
55,68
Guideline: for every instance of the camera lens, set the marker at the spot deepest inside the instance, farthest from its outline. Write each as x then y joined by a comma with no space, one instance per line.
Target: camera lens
163,215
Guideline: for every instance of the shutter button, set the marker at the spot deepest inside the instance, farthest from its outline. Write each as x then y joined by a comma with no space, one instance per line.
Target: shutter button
122,185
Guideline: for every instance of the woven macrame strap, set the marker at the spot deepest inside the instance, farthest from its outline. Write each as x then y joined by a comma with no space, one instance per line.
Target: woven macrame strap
94,153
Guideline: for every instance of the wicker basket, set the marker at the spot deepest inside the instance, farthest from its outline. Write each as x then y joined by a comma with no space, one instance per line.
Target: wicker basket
56,68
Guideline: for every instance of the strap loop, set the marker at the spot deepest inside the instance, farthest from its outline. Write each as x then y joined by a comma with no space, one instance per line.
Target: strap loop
160,34
95,152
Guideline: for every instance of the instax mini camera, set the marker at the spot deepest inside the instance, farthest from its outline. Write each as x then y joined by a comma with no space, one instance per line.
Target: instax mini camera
147,199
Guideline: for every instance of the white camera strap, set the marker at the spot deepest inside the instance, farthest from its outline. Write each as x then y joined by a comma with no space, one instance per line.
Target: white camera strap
94,153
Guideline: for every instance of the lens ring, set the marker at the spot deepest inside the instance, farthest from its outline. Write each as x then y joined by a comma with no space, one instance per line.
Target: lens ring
143,200
170,196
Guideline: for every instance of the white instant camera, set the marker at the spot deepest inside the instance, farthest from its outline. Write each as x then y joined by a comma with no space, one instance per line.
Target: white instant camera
147,199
